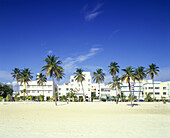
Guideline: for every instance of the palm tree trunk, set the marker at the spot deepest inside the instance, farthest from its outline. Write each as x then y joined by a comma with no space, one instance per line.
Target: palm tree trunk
130,94
99,92
116,96
153,90
54,91
84,98
17,87
139,91
58,91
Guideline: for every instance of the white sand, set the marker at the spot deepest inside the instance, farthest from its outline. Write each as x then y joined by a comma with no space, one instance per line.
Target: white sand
28,119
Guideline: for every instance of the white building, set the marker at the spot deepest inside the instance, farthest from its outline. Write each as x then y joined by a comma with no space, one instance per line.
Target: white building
34,89
162,89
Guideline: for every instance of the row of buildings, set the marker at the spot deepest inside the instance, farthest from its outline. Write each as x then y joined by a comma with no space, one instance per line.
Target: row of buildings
162,89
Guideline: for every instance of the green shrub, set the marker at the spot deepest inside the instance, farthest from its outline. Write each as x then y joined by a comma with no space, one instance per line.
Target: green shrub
80,99
8,98
1,98
51,99
30,98
41,98
163,100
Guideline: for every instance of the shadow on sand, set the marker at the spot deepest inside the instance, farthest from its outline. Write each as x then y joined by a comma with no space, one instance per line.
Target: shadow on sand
62,104
133,105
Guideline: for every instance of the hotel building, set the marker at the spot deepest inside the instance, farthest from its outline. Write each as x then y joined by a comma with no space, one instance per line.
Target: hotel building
162,89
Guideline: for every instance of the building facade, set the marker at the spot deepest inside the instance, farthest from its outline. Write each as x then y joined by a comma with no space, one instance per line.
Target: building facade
162,89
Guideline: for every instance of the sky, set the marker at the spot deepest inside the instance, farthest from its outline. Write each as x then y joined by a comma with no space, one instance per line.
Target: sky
87,34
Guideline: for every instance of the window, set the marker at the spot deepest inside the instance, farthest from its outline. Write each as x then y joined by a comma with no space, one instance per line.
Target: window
59,89
66,89
145,88
48,91
88,89
72,80
164,88
89,85
88,80
150,92
37,91
156,87
157,93
164,93
150,87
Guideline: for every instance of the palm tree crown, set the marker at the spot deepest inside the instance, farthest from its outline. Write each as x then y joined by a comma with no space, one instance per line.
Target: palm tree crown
140,73
41,79
128,74
26,76
114,68
16,73
79,76
116,83
52,67
152,70
98,76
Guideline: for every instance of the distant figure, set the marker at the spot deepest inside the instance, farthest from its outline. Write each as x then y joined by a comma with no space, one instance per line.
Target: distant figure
67,101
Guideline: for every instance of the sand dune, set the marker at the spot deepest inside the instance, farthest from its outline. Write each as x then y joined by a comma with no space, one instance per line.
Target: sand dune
31,119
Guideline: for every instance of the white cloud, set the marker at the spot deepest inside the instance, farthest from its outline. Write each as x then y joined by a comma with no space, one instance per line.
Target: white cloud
70,63
50,51
92,14
4,75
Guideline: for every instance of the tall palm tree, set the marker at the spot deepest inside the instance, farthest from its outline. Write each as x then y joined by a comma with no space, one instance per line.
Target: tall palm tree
114,68
98,77
115,84
80,77
41,79
140,75
52,68
151,71
25,77
16,75
128,74
59,76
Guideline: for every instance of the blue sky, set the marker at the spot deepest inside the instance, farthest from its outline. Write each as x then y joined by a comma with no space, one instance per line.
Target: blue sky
84,34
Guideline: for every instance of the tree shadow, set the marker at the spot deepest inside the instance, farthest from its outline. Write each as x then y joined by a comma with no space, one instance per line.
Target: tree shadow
62,104
133,105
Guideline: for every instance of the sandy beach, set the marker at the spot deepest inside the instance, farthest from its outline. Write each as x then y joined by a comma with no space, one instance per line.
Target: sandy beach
96,119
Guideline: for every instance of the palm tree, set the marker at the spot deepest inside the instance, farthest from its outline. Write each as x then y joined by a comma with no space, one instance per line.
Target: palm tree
16,75
52,68
25,77
59,76
128,74
41,79
114,68
80,77
115,84
98,77
151,71
140,75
